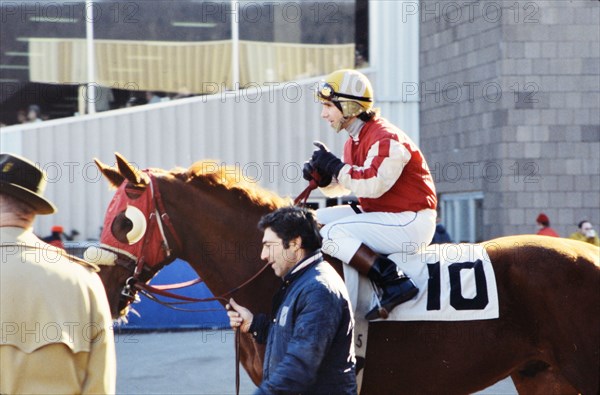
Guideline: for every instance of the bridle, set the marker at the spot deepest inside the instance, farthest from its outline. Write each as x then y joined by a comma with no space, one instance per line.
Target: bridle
160,220
135,283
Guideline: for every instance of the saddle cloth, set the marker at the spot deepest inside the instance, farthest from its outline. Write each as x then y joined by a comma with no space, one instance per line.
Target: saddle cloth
456,283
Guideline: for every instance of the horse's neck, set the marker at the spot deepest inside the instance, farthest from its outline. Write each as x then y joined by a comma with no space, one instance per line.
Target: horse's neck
222,243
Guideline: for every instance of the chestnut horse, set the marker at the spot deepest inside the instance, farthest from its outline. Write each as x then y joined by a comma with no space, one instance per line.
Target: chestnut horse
547,337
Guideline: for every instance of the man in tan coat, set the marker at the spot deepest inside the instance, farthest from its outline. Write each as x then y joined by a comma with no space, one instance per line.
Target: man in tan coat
56,335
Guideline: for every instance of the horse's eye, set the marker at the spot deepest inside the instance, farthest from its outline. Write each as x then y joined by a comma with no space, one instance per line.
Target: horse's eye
129,226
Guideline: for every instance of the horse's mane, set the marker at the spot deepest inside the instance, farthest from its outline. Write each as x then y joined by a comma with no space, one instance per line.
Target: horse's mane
230,178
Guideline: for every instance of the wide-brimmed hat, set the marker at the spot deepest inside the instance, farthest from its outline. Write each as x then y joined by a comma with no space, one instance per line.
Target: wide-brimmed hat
21,179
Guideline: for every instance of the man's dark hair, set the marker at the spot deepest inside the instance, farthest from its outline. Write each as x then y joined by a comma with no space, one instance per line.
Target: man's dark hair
291,222
579,225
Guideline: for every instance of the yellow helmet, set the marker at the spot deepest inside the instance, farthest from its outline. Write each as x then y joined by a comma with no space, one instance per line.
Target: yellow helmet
349,90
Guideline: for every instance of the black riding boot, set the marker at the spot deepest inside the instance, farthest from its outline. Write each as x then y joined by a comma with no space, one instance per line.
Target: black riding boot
396,286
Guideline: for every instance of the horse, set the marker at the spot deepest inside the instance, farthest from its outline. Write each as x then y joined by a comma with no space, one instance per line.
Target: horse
547,336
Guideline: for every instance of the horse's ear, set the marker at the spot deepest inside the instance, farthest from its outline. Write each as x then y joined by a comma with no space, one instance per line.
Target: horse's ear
134,176
112,175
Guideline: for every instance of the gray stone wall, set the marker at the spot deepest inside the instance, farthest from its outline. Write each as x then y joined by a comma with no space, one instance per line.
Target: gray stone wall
510,106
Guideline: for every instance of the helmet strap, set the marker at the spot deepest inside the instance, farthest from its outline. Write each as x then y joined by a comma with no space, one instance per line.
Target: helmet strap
338,105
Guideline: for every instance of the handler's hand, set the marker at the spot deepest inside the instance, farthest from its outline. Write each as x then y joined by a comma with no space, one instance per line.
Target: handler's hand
239,317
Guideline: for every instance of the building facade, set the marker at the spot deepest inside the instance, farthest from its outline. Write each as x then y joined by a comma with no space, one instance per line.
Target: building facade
509,113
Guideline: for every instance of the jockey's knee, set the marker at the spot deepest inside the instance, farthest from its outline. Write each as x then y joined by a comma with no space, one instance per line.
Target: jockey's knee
330,247
343,248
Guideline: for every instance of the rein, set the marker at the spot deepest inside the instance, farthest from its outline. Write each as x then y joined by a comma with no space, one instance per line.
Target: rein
312,185
163,290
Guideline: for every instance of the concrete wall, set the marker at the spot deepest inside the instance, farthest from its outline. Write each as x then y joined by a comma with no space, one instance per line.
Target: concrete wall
509,106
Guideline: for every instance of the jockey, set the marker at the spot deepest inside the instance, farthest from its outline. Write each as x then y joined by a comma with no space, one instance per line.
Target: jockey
388,174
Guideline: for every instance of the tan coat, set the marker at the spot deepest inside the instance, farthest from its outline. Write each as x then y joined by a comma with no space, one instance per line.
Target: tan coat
56,335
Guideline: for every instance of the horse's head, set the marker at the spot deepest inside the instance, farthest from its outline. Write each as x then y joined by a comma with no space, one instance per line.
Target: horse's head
133,243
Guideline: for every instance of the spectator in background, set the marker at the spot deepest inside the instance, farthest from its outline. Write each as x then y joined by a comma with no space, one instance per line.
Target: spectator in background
544,229
586,233
34,114
56,237
156,97
441,235
21,116
104,98
135,101
182,93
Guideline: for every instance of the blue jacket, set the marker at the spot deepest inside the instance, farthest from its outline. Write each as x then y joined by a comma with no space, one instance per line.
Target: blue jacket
309,343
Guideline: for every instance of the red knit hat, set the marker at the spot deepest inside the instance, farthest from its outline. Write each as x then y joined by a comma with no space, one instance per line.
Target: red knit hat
543,218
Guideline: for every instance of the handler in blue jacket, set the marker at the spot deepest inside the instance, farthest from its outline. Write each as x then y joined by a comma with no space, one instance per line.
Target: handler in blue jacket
309,335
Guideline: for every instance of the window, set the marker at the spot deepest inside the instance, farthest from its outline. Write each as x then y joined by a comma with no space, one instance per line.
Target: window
462,215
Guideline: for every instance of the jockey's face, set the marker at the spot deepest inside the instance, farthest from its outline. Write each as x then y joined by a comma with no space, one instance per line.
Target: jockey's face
333,115
281,259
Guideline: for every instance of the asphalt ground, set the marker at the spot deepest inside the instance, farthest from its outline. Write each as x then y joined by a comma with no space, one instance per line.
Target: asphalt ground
198,362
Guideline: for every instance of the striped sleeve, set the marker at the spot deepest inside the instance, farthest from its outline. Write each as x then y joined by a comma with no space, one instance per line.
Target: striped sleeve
382,168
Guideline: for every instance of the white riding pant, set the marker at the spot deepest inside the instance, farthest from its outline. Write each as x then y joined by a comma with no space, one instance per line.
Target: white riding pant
385,233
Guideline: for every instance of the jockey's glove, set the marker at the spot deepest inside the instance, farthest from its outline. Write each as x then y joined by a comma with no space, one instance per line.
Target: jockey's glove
325,162
308,173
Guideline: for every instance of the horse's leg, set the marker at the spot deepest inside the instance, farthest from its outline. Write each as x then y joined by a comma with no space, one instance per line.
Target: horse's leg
539,378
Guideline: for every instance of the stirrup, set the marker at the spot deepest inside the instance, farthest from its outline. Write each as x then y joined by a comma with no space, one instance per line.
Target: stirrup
382,310
376,313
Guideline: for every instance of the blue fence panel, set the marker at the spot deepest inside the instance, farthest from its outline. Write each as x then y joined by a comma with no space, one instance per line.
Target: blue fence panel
154,316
